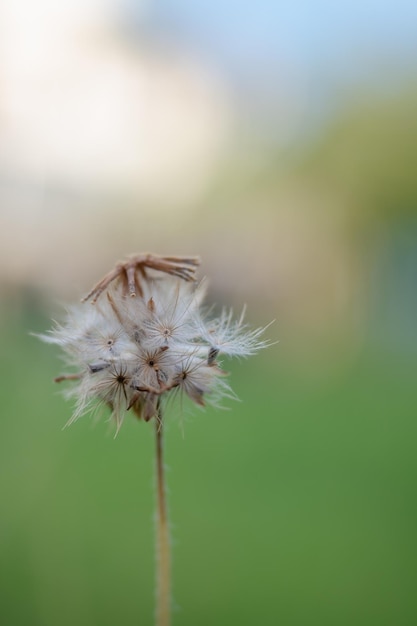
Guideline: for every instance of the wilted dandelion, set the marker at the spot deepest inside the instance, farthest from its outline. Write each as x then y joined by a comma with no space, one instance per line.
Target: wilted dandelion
146,339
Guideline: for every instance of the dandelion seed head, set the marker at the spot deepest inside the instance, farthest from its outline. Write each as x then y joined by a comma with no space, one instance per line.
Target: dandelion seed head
133,353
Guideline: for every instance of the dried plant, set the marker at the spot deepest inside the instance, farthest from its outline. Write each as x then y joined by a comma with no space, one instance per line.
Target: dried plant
146,339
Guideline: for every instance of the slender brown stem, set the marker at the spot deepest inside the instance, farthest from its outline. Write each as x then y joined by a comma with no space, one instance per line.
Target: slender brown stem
163,561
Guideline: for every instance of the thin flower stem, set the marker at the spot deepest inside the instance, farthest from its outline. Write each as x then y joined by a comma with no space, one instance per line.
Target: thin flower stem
163,560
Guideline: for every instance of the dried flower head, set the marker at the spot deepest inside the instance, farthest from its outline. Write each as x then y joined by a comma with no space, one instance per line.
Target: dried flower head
147,338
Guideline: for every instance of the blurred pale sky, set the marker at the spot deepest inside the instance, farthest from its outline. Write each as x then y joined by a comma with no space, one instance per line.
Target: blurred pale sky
153,75
325,47
319,32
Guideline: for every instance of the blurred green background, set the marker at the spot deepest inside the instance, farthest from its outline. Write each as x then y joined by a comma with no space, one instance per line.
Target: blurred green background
296,507
278,141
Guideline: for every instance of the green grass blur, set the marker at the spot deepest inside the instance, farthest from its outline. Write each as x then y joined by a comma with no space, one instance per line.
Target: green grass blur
295,507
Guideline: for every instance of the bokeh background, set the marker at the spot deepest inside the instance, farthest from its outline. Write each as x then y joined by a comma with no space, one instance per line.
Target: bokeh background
278,140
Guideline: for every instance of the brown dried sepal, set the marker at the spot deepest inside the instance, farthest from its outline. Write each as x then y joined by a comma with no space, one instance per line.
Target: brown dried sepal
145,406
59,379
132,271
